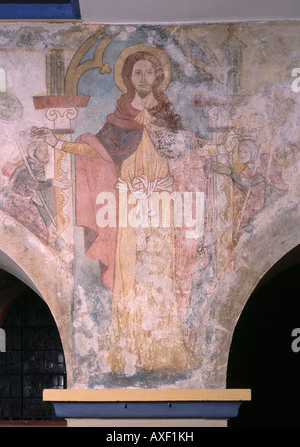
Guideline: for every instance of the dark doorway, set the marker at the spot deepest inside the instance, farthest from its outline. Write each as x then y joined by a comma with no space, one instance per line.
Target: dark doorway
261,355
33,360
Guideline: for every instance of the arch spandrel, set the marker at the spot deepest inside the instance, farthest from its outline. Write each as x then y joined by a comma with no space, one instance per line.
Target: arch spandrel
29,260
270,244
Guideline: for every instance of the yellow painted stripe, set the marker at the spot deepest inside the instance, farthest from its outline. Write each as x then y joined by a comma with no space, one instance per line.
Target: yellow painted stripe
147,395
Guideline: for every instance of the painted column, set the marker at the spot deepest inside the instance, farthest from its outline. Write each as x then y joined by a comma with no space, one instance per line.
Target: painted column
60,112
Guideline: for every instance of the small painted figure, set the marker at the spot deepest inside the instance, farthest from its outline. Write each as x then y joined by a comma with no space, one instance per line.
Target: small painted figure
28,195
256,181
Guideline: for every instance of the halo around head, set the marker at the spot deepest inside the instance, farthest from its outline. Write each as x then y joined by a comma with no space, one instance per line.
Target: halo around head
158,52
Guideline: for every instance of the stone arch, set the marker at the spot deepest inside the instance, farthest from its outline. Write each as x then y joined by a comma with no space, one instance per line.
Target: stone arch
262,356
255,255
23,255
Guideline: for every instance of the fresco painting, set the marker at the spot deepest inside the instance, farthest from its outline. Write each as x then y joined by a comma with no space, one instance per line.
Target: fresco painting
146,157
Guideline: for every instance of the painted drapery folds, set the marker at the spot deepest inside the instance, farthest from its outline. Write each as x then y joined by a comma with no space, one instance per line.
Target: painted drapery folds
145,163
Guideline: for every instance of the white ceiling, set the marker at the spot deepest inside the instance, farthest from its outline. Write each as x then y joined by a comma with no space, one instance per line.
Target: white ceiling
174,11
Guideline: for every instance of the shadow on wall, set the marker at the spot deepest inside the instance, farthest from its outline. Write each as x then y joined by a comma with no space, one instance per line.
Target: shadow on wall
263,356
32,358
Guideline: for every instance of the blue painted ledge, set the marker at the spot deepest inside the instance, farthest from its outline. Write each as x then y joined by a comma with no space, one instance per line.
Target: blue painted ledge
146,403
122,410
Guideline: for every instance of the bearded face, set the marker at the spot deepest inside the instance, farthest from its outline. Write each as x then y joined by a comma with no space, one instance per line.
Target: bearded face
143,77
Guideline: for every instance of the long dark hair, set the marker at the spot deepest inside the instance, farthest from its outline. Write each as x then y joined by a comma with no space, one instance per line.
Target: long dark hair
164,114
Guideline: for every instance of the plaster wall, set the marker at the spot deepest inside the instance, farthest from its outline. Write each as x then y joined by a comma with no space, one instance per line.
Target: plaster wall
148,305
